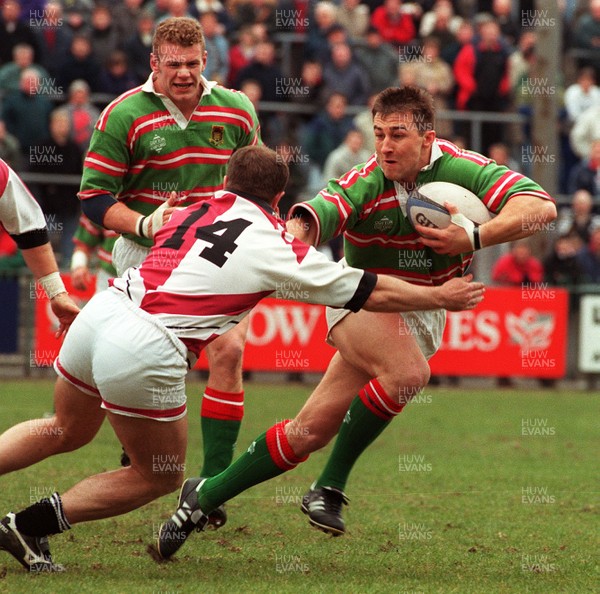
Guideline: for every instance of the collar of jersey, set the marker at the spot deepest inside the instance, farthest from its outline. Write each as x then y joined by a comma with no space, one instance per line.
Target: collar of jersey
258,201
436,153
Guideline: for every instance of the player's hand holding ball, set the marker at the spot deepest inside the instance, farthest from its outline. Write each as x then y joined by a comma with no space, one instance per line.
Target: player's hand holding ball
447,217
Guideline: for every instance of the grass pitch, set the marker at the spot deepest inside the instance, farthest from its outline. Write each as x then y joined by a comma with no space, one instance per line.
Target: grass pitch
468,491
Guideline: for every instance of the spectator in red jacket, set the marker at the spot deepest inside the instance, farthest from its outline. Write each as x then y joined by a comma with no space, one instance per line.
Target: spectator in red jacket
396,27
481,74
519,267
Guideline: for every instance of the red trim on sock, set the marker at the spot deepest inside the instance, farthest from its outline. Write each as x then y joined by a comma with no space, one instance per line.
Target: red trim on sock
375,398
224,406
383,397
279,447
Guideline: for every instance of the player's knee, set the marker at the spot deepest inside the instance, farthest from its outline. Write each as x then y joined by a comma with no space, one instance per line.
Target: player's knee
229,355
409,381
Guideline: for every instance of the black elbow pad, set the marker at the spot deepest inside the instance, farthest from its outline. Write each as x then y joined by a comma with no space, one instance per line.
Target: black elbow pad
95,208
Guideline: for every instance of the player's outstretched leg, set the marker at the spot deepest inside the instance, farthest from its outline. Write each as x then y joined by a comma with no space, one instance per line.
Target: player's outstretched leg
269,455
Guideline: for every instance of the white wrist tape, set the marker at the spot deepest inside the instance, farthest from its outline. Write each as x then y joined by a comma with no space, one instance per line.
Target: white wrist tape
462,221
79,260
157,221
52,284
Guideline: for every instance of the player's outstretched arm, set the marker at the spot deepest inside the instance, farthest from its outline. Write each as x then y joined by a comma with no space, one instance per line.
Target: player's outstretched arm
391,294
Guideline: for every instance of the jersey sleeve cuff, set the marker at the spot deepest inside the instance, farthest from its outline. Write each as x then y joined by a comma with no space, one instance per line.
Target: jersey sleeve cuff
363,291
303,209
31,239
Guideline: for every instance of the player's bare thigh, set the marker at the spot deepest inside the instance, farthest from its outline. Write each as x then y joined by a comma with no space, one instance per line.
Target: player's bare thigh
382,346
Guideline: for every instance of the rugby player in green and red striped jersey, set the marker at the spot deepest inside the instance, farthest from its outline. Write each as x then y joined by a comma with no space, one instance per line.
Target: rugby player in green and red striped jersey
163,144
382,357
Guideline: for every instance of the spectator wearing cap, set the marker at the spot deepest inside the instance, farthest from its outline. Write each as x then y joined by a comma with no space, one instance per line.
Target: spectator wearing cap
77,15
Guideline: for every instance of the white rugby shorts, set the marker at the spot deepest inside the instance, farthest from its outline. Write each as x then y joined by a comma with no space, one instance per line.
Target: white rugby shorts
122,354
127,253
427,327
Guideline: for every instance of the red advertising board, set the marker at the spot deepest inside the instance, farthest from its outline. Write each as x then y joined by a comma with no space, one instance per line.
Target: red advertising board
513,332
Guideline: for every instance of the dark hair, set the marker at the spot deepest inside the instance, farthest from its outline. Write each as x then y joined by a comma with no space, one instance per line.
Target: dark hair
257,170
408,99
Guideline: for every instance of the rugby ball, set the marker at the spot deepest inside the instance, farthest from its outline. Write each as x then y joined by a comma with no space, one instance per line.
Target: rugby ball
425,206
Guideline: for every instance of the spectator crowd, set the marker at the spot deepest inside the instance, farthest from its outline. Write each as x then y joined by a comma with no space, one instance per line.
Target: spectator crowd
62,61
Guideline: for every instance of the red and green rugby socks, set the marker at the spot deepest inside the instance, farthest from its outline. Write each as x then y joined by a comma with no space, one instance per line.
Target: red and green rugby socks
221,417
269,455
369,414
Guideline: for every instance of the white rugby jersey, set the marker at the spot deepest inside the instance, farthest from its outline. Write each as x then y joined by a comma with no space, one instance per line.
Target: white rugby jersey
215,260
20,214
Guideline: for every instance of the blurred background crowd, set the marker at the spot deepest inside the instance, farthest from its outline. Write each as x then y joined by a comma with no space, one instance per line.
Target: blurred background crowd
312,69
